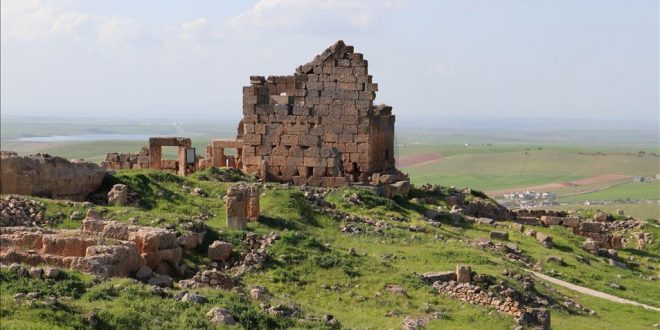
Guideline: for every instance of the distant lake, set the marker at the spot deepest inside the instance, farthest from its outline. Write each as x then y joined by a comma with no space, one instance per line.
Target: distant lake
85,137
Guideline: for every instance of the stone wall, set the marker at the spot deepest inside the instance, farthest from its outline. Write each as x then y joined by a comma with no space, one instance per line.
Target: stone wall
48,176
118,161
318,126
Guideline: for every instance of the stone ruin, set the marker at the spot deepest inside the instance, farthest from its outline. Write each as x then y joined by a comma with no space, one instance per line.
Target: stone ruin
317,127
529,308
44,175
241,205
106,248
151,157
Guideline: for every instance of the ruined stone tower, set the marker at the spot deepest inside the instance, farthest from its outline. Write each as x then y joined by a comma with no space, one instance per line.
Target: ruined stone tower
318,126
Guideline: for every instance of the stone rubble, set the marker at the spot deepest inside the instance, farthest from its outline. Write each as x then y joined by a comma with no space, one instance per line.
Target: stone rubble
21,211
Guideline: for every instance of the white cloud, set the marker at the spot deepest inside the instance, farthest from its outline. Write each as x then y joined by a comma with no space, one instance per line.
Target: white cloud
198,30
34,19
313,16
118,31
31,20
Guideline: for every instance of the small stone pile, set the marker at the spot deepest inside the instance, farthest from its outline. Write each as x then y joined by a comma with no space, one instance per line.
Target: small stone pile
209,279
20,211
254,252
478,207
511,250
316,195
233,265
36,272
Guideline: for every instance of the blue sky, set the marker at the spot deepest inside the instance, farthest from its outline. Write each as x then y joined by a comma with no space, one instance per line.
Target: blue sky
432,59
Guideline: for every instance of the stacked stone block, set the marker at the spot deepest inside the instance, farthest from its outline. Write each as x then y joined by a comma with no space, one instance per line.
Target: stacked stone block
318,126
118,161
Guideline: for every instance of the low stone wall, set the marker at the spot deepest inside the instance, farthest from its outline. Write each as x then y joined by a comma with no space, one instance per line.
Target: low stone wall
118,161
465,285
44,175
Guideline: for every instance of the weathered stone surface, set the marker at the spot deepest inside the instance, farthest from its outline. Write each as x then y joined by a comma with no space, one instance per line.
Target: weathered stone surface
318,127
432,277
118,195
241,201
591,227
532,221
504,236
463,274
47,176
573,222
220,316
551,221
220,251
590,245
518,227
157,246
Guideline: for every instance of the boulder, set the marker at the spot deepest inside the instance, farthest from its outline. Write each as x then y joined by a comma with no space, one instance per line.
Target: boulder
220,251
118,195
590,245
591,227
518,227
143,273
573,222
194,298
220,316
532,221
163,281
259,293
52,273
551,221
504,236
36,272
399,188
601,217
486,221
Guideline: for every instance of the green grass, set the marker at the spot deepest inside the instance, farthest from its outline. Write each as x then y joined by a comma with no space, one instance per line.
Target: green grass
638,210
310,266
512,166
627,191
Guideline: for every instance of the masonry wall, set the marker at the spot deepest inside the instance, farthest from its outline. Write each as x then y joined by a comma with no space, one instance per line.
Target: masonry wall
319,125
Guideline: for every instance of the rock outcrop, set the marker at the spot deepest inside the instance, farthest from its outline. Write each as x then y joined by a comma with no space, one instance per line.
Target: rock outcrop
47,176
106,248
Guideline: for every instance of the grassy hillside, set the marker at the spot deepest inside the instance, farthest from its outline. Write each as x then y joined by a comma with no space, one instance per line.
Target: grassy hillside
313,267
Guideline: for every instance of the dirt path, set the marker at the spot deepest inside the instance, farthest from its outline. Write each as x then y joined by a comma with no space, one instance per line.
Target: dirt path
591,292
600,179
